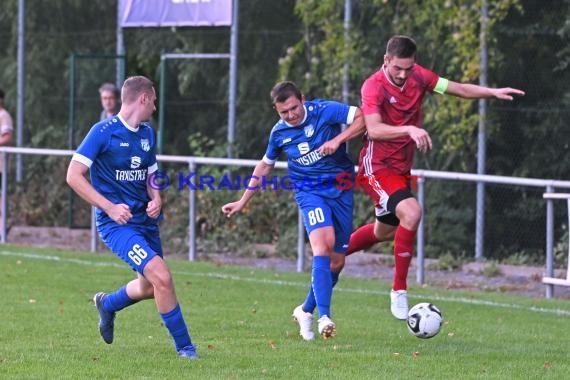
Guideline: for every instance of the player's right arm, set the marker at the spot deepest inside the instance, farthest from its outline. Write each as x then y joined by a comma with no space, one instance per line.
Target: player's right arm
76,179
261,171
378,130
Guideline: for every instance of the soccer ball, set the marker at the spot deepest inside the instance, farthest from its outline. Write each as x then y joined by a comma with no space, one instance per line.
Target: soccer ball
424,320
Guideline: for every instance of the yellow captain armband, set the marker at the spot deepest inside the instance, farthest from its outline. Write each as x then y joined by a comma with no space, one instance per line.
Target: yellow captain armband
441,86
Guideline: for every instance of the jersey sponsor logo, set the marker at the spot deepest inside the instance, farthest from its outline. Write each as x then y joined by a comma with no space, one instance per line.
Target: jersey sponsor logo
303,147
288,139
125,144
393,100
309,130
308,159
135,162
131,175
145,144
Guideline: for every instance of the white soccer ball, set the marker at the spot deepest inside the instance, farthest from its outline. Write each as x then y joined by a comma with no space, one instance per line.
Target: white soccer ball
424,320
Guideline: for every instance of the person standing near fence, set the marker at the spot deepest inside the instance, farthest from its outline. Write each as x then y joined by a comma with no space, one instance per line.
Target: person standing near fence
6,132
309,132
6,126
109,94
392,106
120,155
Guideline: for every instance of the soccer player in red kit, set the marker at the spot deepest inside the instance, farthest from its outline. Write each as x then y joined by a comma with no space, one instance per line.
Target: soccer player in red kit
392,106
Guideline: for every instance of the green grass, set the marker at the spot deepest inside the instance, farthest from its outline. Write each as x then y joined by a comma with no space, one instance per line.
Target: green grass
240,320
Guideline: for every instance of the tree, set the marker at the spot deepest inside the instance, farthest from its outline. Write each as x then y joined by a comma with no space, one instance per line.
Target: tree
448,40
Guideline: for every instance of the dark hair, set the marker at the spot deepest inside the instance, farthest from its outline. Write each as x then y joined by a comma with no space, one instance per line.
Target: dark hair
283,91
1,94
134,86
401,47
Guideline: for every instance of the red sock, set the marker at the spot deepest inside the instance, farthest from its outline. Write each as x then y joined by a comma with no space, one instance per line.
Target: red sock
403,249
362,238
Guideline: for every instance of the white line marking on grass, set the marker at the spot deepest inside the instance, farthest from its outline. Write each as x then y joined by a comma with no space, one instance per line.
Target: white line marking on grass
63,260
222,276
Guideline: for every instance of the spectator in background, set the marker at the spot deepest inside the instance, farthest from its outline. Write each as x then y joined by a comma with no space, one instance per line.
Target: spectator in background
109,100
6,125
6,129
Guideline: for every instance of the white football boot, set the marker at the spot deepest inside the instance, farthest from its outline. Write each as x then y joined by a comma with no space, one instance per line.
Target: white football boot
399,304
327,328
305,321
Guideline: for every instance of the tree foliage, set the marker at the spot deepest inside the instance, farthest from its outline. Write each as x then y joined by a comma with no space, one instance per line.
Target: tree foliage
448,37
447,34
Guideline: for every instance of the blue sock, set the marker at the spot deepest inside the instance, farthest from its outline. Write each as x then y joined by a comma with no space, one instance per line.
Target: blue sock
322,284
174,322
310,303
118,300
334,278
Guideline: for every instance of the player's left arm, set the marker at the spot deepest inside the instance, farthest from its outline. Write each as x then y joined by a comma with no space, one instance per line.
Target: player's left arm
155,205
357,128
473,91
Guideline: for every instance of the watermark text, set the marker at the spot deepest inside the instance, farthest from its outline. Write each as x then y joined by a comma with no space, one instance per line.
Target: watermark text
341,181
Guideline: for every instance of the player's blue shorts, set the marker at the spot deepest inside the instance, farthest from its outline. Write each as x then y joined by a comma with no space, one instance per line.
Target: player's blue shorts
134,244
319,211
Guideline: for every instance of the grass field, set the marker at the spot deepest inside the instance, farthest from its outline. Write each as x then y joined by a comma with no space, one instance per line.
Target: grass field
240,320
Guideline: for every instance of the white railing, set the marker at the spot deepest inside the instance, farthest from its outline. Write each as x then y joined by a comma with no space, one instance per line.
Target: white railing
421,175
549,184
549,278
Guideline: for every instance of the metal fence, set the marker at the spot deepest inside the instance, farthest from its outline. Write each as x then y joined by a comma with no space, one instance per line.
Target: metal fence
423,177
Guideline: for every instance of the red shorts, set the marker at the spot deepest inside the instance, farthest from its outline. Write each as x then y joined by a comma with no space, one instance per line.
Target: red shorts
382,184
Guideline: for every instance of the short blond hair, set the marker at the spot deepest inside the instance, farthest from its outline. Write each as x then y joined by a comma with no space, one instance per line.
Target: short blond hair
134,87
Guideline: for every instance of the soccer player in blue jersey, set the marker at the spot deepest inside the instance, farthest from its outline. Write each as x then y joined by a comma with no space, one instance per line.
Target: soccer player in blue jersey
310,133
120,153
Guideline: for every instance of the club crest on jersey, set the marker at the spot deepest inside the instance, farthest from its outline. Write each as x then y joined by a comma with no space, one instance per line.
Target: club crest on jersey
145,144
135,162
309,130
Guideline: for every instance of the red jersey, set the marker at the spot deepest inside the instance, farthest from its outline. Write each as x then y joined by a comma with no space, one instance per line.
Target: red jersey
397,106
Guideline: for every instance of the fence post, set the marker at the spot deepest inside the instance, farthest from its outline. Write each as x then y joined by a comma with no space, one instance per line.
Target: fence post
4,206
480,222
192,215
300,241
549,242
420,272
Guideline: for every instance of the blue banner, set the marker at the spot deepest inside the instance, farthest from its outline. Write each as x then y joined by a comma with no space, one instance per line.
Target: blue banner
158,13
